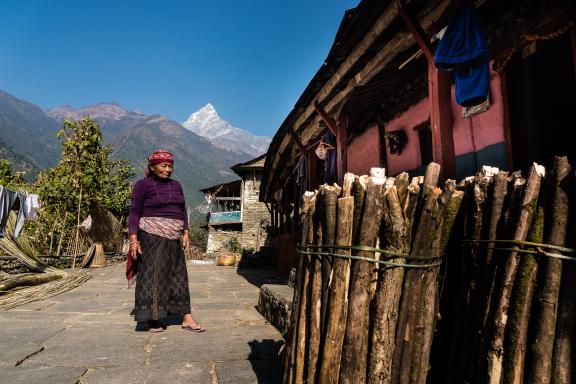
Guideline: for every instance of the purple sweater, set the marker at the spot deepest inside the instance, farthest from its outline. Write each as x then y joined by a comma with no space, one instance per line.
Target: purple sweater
153,197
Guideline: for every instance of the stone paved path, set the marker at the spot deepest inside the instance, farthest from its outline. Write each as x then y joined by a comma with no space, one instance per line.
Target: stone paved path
87,335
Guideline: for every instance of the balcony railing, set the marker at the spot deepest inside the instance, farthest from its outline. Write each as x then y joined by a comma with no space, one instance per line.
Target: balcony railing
225,217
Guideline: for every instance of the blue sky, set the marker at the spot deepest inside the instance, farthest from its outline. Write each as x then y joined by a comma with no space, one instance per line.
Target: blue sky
251,59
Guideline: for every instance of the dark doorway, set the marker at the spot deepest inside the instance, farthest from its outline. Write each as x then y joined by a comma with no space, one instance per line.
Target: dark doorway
541,87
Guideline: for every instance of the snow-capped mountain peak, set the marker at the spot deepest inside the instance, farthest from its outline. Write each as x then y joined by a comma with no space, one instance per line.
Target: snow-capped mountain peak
206,123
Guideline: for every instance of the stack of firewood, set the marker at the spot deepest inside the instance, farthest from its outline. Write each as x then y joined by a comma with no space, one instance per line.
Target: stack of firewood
366,296
513,318
383,259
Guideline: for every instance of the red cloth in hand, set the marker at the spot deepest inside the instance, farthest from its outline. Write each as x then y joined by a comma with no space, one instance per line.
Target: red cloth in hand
131,268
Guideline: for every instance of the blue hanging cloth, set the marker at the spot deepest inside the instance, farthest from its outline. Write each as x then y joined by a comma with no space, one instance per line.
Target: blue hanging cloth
463,51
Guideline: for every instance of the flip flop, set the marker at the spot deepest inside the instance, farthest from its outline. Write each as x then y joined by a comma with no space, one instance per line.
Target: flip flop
193,328
155,330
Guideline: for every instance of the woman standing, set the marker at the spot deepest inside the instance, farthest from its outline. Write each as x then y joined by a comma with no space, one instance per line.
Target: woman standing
158,226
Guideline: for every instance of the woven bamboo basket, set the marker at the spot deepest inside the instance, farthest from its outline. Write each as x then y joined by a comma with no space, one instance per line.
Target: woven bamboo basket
226,259
99,259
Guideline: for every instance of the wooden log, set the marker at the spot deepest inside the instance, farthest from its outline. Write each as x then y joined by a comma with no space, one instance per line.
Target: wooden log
498,322
564,357
302,335
338,302
308,200
388,291
355,348
315,293
401,182
428,312
549,288
498,192
26,281
477,196
359,192
421,240
329,199
516,335
424,234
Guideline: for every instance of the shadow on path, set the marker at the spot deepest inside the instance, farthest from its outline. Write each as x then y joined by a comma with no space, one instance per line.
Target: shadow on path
267,360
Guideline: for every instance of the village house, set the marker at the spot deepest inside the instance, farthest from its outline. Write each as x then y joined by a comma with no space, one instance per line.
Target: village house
236,215
380,100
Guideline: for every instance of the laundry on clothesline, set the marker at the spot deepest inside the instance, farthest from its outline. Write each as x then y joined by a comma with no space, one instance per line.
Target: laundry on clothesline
24,203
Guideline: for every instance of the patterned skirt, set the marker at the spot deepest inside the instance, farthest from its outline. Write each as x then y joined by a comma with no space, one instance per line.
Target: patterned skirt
162,280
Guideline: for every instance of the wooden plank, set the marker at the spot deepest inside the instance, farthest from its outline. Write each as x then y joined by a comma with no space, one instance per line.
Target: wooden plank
326,118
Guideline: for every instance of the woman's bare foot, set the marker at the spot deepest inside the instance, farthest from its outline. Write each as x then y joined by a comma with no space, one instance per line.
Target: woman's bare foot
189,324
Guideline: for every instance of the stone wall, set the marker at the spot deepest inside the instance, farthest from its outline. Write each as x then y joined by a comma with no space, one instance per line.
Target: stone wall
218,235
275,304
255,215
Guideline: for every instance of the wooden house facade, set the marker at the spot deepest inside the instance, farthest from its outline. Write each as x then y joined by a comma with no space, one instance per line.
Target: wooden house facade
379,99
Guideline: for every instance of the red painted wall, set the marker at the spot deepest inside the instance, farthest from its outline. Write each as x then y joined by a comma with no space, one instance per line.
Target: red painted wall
364,152
470,134
479,131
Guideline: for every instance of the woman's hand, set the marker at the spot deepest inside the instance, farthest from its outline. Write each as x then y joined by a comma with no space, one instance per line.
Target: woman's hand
185,240
135,249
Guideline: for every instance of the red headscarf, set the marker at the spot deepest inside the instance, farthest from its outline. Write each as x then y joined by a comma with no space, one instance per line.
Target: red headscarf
159,156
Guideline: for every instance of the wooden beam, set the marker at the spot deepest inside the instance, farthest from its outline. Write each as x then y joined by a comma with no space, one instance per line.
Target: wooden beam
299,144
418,33
341,148
329,121
441,120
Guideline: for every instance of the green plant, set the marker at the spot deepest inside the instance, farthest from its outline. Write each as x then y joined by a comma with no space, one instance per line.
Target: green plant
9,178
233,245
85,177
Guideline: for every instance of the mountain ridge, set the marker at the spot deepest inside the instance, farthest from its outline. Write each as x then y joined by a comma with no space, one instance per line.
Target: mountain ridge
207,123
134,135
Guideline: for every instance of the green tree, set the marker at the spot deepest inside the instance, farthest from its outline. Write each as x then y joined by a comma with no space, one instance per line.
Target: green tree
85,177
9,178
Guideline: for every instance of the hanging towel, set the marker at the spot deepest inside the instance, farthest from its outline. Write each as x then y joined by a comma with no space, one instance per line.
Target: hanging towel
8,201
32,204
463,51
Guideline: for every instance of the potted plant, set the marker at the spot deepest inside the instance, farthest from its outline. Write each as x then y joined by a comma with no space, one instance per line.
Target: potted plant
230,252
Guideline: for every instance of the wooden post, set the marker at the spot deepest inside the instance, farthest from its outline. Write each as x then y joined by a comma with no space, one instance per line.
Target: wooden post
315,294
524,218
294,364
77,229
329,202
548,290
355,349
388,292
338,303
341,148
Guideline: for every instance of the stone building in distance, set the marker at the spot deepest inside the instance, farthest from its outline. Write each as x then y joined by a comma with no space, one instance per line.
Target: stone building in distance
235,213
